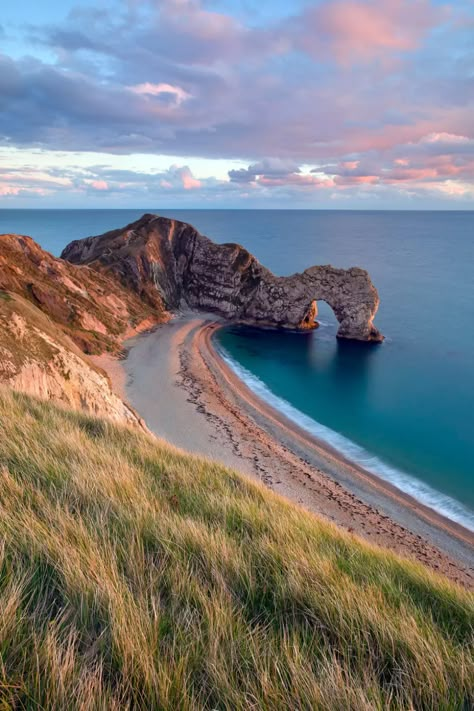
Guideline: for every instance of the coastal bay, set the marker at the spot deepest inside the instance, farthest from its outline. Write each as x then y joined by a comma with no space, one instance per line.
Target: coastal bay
237,356
177,381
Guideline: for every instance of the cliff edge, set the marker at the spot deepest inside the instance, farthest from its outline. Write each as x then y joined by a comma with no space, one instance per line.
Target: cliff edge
39,359
52,314
169,262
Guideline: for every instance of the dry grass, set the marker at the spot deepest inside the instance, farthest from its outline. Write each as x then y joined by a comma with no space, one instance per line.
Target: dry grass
134,576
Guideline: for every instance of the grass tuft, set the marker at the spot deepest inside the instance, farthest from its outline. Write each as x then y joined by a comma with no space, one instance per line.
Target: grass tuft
134,576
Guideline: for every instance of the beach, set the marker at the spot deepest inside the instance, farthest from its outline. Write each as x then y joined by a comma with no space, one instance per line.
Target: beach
187,394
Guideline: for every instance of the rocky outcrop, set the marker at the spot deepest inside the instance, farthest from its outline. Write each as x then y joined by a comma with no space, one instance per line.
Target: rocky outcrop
38,359
52,313
96,311
168,262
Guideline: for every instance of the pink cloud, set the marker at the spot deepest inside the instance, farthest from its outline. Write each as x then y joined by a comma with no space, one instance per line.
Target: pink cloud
297,179
99,185
26,176
19,191
8,190
456,189
188,181
444,138
362,29
356,180
350,164
157,90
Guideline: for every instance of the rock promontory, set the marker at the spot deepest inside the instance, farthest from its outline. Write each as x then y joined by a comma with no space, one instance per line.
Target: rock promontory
168,262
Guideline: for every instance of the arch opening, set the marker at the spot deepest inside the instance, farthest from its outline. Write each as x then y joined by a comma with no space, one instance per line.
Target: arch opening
319,308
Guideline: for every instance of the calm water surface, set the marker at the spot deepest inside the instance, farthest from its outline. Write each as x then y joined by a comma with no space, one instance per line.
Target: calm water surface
404,409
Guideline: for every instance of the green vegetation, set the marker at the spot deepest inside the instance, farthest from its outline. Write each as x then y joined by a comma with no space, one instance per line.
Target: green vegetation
134,576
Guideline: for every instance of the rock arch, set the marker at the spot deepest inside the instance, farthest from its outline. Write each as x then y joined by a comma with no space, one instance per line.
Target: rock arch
349,292
159,257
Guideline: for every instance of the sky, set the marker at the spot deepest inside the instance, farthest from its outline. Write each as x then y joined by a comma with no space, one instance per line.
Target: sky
317,104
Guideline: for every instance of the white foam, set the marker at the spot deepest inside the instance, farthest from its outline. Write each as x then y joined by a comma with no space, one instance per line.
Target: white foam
425,494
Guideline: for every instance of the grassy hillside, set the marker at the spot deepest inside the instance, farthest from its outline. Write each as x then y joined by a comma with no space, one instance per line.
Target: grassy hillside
134,576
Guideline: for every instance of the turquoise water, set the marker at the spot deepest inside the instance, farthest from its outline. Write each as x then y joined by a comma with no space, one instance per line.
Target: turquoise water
405,409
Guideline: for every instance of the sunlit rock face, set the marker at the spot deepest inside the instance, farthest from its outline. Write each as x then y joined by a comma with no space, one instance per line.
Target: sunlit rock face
38,358
95,311
169,260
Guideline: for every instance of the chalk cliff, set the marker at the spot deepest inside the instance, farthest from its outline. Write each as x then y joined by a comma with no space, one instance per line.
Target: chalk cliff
168,262
39,359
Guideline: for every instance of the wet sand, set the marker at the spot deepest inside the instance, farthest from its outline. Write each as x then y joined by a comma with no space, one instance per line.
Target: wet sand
188,395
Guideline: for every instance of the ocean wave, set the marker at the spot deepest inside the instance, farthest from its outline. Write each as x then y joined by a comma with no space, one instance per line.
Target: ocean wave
419,490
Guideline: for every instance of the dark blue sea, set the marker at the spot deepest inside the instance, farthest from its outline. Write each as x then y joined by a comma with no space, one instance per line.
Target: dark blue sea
403,409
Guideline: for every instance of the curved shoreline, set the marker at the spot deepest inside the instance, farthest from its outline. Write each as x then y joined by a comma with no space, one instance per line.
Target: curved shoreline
208,410
429,514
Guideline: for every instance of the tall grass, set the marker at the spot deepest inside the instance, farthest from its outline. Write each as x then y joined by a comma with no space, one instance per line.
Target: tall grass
133,576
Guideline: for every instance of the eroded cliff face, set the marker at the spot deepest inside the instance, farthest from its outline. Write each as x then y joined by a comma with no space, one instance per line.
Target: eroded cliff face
52,313
96,311
169,262
38,359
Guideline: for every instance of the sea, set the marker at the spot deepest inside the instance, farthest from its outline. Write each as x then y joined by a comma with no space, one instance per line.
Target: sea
403,409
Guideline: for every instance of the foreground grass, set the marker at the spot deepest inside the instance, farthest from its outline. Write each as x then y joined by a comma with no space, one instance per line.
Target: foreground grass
134,576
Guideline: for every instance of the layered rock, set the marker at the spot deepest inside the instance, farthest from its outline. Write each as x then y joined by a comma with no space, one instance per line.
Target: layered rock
94,310
168,262
52,313
37,358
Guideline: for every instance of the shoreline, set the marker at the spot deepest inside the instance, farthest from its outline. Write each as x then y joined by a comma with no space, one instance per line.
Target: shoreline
210,411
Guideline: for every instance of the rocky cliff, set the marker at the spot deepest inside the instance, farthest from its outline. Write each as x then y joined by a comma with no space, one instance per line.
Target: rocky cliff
38,358
168,262
52,313
96,312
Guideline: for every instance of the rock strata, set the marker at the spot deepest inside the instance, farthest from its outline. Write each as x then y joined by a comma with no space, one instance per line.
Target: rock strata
169,262
39,359
95,311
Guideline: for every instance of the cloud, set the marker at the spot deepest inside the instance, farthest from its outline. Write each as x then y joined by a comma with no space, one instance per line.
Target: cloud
269,168
359,30
173,77
446,143
189,182
163,90
430,162
348,182
368,94
99,185
177,179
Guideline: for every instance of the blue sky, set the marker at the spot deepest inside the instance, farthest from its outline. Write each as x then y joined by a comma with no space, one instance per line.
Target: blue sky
226,103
